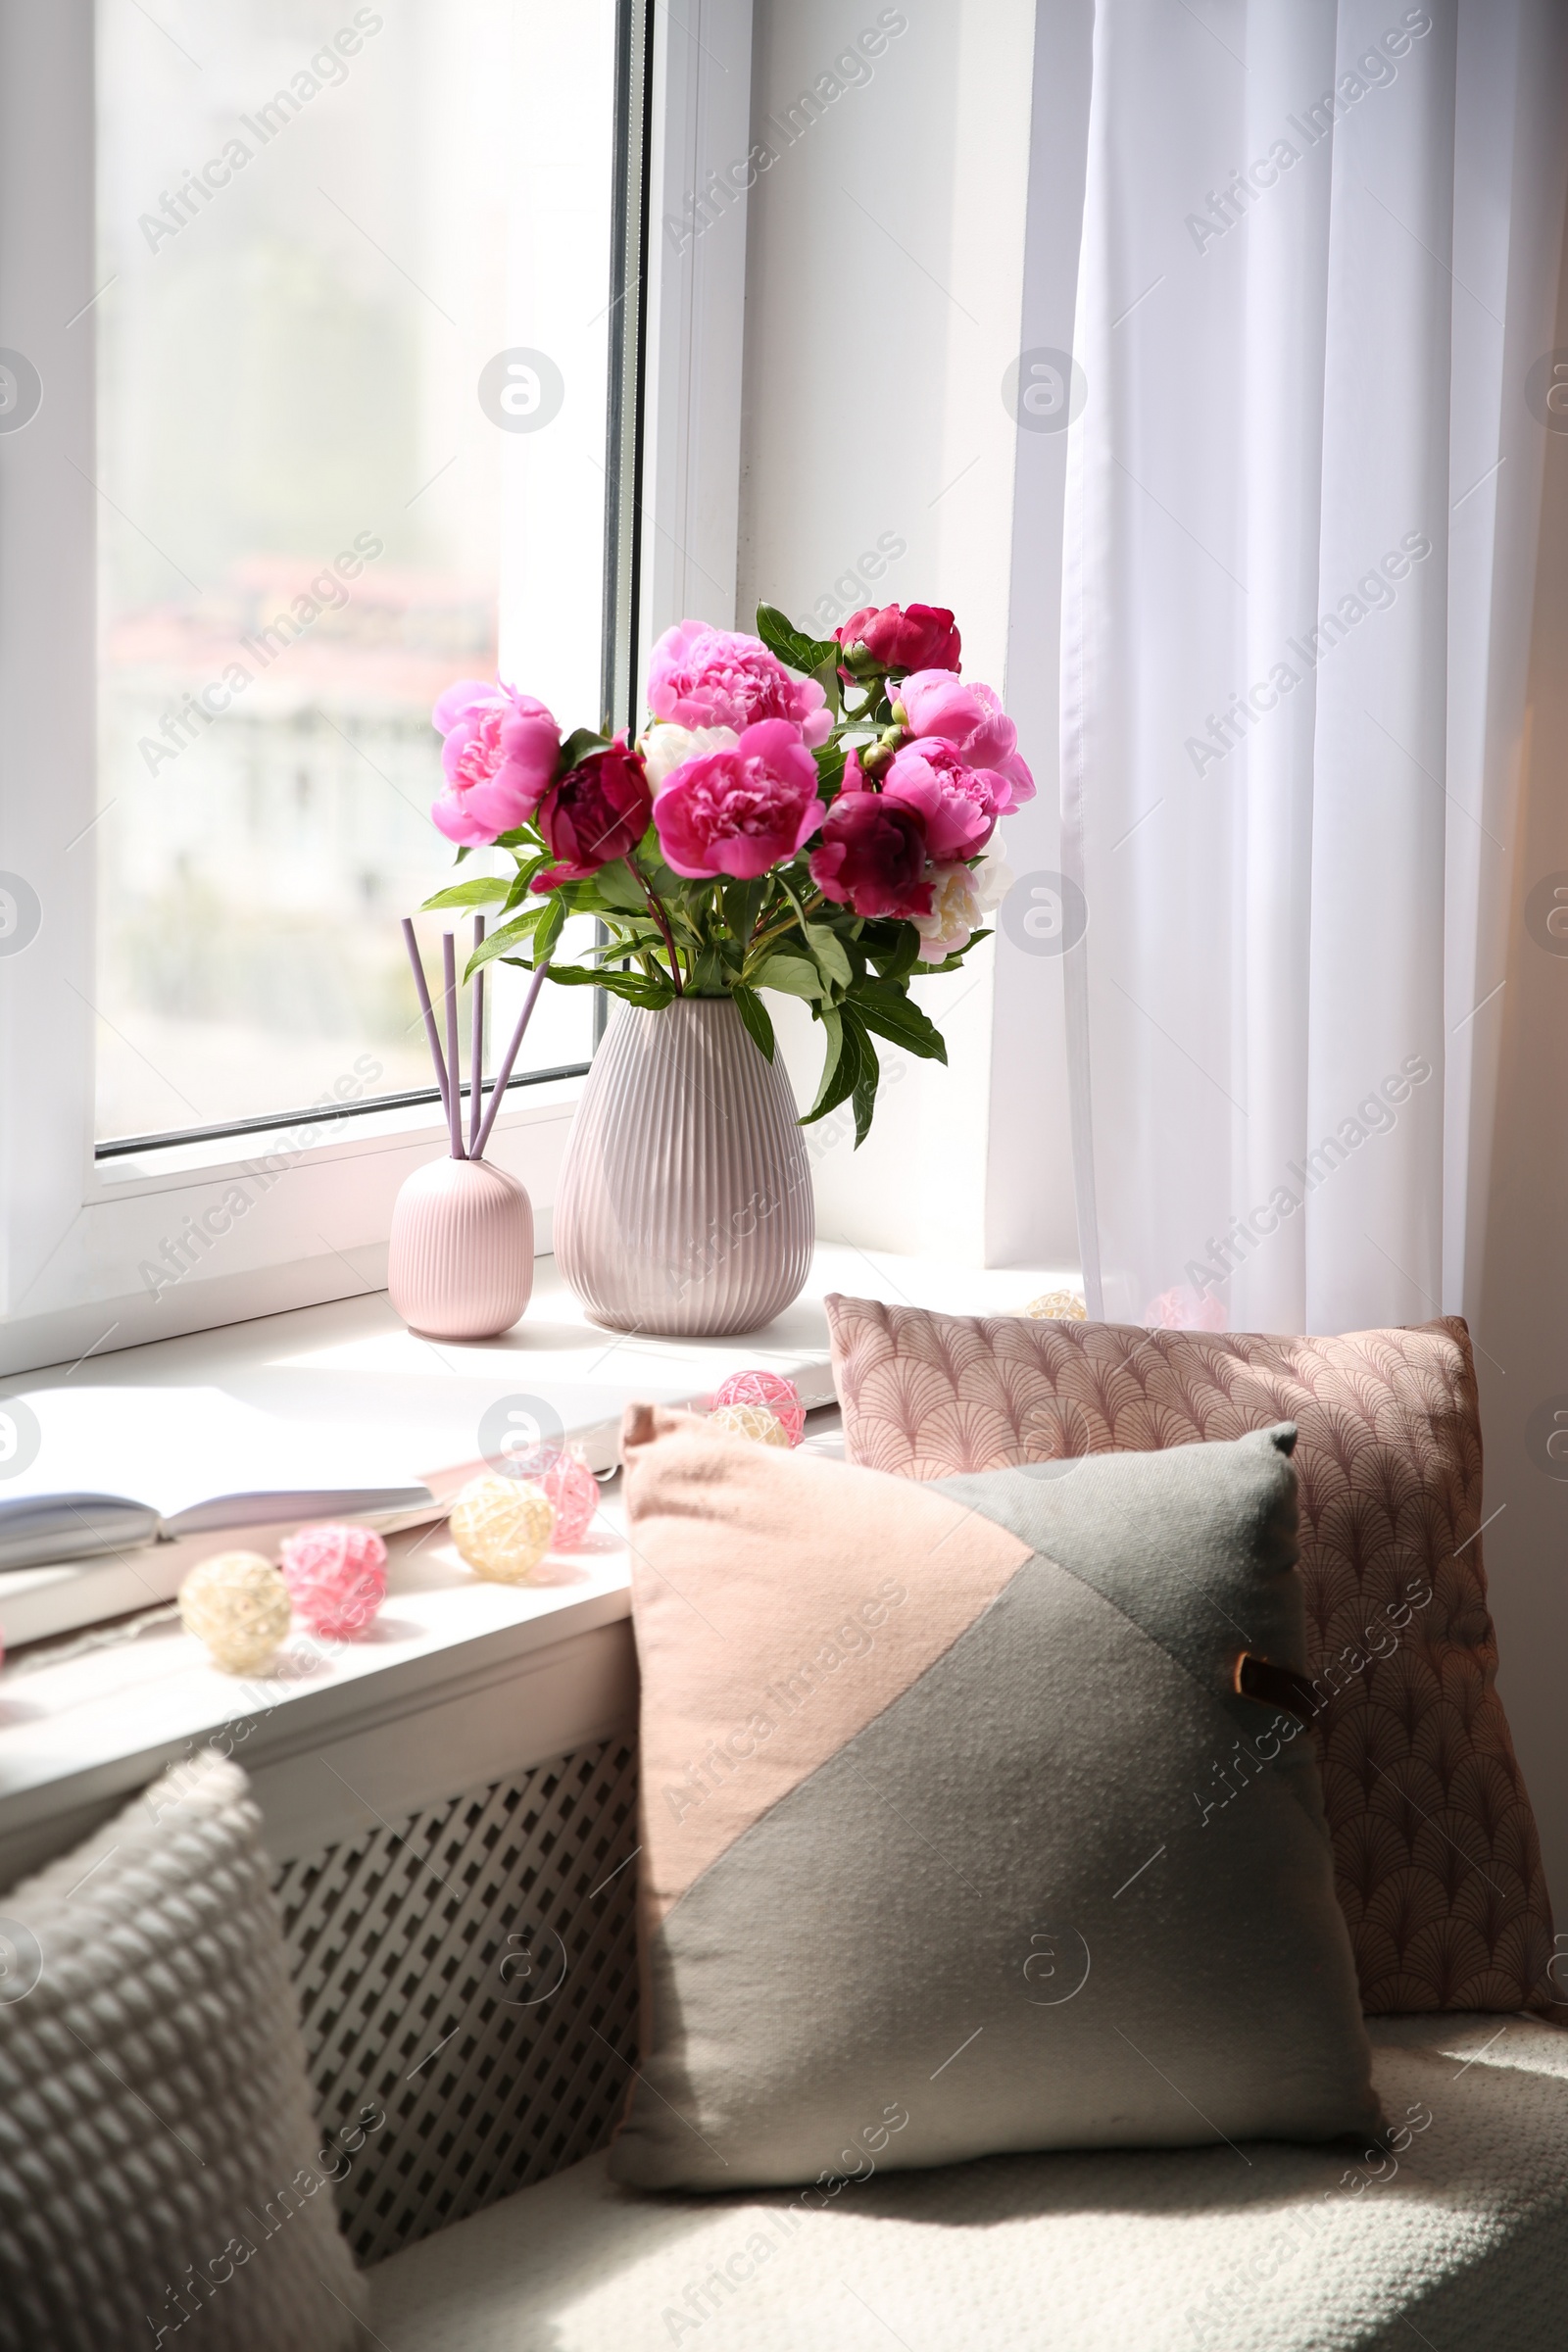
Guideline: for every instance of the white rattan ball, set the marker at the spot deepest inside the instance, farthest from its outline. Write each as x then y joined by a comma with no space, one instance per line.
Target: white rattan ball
753,1421
1057,1307
236,1603
502,1528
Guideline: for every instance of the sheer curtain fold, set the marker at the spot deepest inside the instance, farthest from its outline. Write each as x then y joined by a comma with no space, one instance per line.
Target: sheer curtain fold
1319,255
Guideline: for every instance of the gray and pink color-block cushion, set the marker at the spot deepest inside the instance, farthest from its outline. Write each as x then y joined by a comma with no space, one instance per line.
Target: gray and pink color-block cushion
1437,1856
957,1835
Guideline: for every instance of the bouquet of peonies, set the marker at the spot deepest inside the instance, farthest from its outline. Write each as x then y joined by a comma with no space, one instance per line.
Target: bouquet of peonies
800,814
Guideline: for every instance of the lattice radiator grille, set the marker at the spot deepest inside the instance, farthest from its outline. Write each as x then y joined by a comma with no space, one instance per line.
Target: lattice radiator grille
471,1971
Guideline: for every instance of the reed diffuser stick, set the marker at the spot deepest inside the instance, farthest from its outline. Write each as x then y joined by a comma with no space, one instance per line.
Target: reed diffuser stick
448,974
513,1051
476,1057
432,1037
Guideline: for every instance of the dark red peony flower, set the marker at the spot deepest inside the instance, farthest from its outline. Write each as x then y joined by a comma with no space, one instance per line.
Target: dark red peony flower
922,638
599,811
872,857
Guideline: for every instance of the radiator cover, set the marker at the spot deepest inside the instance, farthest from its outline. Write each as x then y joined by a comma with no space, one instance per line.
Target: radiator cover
470,1971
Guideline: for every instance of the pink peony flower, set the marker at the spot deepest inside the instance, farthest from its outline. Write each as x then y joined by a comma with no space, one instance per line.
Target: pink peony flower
936,702
1016,770
961,897
498,757
705,677
741,810
922,638
957,805
873,855
598,811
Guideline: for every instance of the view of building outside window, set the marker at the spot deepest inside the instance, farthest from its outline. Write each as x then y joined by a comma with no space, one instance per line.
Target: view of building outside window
352,352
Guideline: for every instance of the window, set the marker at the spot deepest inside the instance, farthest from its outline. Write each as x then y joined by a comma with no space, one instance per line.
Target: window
353,385
356,334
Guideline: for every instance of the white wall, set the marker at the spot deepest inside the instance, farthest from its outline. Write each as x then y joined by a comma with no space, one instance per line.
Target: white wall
885,293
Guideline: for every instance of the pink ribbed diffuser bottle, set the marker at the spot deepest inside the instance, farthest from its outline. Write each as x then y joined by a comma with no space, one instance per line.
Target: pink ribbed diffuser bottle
461,1261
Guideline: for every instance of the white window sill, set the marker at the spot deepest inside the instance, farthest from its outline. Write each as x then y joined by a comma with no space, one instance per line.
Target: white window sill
460,1680
309,1225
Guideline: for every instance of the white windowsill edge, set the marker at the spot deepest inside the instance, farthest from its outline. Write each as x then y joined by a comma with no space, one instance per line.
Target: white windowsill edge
494,1681
461,1682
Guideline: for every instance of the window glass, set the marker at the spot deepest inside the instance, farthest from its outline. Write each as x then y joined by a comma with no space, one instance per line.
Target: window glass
352,365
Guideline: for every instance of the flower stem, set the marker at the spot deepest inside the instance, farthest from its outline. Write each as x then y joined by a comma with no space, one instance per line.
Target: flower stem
763,940
656,911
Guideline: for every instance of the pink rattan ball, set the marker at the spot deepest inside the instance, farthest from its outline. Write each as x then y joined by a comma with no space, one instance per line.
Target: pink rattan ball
336,1576
574,1490
775,1394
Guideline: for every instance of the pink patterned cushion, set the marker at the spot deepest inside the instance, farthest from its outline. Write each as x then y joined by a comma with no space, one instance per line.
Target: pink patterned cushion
1438,1860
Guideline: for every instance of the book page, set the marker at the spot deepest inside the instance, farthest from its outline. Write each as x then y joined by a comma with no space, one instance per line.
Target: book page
174,1450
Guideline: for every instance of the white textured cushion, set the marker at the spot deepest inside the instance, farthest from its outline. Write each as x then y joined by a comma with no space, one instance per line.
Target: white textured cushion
1270,2248
155,2119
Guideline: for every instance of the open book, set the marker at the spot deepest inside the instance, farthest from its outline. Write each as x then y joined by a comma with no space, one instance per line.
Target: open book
102,1470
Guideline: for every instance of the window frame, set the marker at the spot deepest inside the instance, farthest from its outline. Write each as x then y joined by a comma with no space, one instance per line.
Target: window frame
78,1234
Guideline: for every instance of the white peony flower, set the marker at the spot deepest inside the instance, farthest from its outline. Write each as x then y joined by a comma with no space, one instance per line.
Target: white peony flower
962,896
667,747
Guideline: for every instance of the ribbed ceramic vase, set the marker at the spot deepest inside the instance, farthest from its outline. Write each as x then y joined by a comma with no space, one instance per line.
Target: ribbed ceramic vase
461,1261
685,1200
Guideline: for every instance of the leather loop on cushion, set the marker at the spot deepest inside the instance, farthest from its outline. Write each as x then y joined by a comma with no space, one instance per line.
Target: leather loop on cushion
1275,1687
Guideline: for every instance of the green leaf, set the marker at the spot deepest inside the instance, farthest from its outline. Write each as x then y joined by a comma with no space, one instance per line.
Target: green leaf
487,890
791,645
635,986
828,948
577,746
954,962
758,1019
687,920
619,888
830,764
833,1030
502,942
826,674
883,1008
628,938
896,958
863,1098
841,1066
579,897
550,930
742,903
792,975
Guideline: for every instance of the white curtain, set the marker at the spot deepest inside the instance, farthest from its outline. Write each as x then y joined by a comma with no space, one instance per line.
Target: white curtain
1316,298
